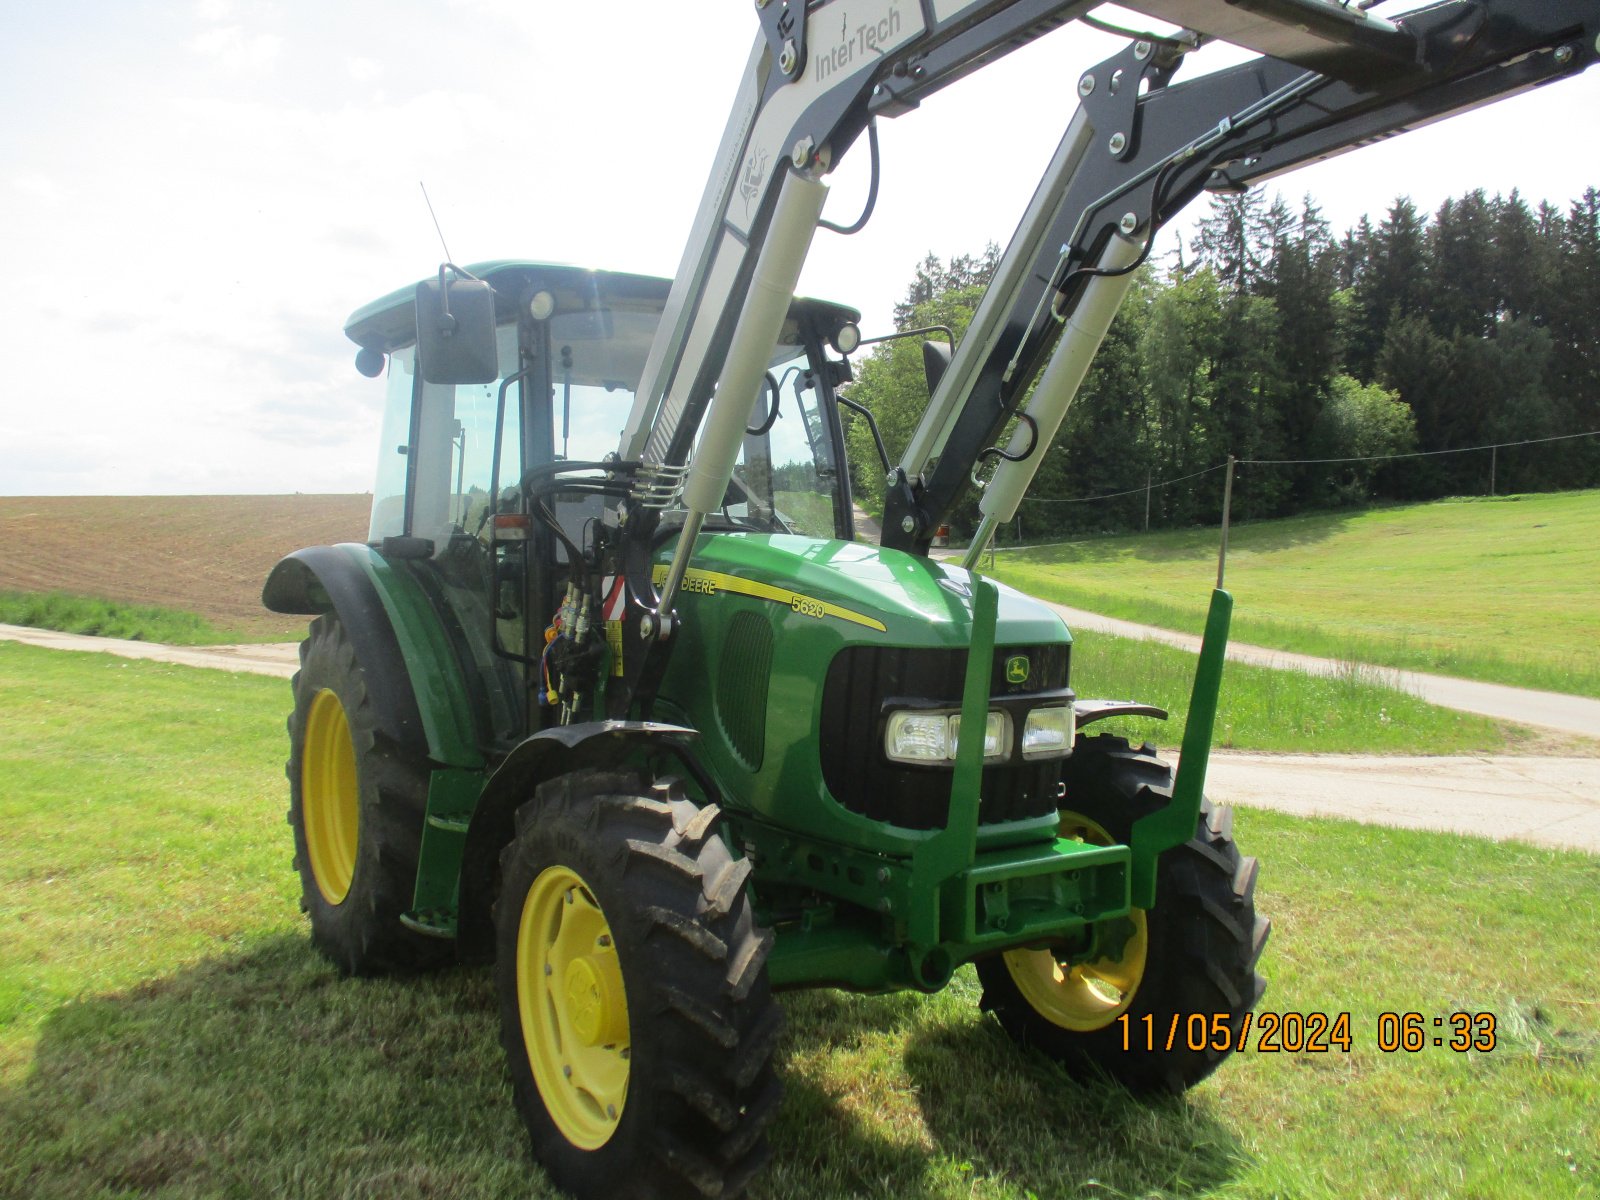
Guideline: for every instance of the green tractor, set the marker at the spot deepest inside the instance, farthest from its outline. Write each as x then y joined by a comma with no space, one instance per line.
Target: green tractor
614,698
795,809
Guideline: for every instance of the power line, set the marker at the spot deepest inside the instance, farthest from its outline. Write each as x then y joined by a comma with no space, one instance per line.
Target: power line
1283,462
1274,462
1130,492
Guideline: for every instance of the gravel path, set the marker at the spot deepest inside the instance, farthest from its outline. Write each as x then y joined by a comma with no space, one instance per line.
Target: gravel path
1547,801
281,659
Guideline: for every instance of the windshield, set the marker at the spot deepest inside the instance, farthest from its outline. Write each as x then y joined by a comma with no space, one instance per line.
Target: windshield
438,466
785,479
597,359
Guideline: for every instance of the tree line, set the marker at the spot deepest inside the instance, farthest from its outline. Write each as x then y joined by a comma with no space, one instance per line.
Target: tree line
1270,338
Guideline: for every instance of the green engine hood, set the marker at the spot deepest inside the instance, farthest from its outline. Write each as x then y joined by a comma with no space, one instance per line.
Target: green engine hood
905,599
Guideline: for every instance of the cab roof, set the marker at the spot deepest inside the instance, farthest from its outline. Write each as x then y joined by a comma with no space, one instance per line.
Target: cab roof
390,322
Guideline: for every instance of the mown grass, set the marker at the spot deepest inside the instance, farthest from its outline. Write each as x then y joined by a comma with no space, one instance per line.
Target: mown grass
109,618
1499,589
165,1029
1358,710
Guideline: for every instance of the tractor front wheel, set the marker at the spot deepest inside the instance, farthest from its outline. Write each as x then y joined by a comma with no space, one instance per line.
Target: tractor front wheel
1192,955
356,803
635,1013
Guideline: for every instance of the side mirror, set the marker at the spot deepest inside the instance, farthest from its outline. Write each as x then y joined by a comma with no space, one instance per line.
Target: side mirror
455,329
935,362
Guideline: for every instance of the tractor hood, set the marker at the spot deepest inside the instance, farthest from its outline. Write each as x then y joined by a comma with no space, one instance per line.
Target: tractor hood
907,599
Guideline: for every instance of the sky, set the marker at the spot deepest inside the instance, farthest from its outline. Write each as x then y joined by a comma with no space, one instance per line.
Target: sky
196,194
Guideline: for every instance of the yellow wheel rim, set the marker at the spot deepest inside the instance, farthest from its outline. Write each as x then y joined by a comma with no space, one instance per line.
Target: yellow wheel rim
1082,997
330,797
573,1007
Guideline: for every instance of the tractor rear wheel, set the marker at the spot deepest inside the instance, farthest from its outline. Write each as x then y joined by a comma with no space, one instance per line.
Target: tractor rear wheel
356,804
1191,956
635,1013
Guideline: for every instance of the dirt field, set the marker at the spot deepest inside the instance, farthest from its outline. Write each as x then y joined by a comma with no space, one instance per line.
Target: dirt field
204,554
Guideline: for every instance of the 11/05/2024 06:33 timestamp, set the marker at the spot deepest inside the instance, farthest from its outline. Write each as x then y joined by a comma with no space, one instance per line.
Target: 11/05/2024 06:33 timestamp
1308,1032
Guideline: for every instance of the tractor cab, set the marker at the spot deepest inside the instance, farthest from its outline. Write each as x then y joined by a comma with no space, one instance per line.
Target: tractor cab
455,489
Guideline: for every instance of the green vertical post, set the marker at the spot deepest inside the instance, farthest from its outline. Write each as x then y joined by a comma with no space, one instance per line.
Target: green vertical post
1175,824
951,849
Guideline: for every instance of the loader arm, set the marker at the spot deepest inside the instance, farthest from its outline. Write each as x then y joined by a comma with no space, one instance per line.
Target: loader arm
1129,162
1331,78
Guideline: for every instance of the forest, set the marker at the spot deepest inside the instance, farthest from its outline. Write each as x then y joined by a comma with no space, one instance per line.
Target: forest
1272,339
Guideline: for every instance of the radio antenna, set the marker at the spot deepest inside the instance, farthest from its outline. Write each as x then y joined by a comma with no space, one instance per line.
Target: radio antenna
448,257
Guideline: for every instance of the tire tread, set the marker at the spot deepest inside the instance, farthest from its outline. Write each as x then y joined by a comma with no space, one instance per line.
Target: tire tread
704,1028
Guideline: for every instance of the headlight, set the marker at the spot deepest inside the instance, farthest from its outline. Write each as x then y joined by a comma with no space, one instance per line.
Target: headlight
1048,732
918,737
996,736
922,737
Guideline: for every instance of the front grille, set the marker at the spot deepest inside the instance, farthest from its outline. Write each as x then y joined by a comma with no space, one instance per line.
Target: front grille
863,681
743,681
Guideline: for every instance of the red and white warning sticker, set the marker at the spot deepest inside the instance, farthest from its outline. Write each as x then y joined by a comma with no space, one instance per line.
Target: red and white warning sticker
616,597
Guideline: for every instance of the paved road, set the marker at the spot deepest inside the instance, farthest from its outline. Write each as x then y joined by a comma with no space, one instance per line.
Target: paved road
1549,801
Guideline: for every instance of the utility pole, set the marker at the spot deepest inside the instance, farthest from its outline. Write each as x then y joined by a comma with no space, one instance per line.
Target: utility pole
1494,454
1147,474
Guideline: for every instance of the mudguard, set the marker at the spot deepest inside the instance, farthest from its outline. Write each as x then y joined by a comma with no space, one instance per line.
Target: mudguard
415,680
545,755
1086,712
323,579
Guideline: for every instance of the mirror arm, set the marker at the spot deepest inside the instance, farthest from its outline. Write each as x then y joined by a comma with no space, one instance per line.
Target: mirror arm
448,324
950,335
872,424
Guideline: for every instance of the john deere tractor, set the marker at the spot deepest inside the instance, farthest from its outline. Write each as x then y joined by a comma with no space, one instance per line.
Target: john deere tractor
614,697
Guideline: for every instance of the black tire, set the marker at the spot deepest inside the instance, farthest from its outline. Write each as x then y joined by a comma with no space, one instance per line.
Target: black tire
355,916
1202,938
700,1021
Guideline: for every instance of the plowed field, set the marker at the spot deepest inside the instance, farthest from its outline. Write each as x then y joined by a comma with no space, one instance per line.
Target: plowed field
204,554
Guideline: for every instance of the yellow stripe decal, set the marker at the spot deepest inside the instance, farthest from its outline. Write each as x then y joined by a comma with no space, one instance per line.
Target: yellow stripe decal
709,583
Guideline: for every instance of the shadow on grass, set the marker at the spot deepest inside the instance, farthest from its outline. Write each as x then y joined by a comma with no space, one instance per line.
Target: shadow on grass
1030,1122
983,1117
263,1073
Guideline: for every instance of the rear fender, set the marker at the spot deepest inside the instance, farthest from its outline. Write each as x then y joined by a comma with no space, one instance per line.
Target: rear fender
322,579
413,676
544,756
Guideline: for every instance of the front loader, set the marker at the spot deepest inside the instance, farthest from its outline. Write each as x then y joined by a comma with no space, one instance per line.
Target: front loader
614,698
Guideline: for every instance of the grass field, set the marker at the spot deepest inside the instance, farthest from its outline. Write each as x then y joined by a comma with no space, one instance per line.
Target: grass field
1262,708
108,618
165,1029
1503,590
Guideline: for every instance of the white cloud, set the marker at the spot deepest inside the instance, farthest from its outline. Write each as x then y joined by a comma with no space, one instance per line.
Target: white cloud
364,70
36,184
235,50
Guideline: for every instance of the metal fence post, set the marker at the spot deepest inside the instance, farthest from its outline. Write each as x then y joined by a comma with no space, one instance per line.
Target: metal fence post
1227,506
